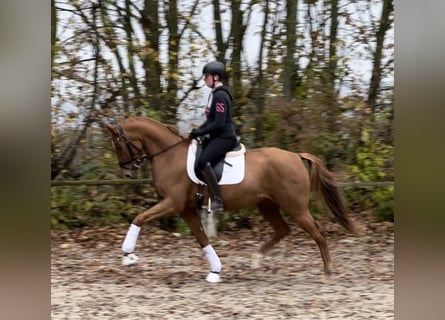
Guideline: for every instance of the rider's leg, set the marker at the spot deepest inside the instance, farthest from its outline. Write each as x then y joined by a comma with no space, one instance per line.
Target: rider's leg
214,151
212,183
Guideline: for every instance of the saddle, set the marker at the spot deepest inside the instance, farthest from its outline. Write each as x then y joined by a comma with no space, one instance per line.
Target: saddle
218,167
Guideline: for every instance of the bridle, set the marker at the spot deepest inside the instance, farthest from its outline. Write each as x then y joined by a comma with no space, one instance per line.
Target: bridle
135,160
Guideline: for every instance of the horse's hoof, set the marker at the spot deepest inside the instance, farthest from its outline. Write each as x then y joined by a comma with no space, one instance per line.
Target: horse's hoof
326,278
129,259
213,277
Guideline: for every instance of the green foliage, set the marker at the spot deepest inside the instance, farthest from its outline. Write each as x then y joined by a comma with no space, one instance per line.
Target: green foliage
64,209
154,114
182,227
271,120
239,219
385,211
79,206
373,162
317,207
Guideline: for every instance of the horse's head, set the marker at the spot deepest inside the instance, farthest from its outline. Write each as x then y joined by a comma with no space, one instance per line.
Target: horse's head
129,151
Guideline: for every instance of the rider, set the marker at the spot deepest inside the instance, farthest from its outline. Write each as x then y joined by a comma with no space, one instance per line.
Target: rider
218,125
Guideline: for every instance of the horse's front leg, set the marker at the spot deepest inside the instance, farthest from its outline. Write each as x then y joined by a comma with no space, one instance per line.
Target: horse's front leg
163,208
194,223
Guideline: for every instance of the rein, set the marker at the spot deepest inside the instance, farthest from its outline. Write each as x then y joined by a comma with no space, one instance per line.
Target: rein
138,161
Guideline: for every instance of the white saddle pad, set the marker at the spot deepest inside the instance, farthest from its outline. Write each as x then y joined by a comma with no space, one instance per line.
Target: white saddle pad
232,174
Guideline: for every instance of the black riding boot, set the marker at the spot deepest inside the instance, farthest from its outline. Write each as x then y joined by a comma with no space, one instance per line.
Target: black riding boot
215,193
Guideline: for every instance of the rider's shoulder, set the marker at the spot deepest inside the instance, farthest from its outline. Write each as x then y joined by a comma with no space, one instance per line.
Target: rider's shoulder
223,91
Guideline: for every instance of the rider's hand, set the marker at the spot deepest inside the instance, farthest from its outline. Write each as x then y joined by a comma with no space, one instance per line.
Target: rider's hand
193,134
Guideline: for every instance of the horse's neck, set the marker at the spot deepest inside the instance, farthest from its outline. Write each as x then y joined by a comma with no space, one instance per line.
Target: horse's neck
156,135
169,154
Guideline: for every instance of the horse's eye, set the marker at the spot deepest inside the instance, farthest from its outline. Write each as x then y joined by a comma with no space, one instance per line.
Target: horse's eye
116,145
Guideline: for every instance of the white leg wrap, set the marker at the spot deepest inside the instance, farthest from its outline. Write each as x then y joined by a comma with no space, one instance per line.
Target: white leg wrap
129,259
130,239
212,257
213,277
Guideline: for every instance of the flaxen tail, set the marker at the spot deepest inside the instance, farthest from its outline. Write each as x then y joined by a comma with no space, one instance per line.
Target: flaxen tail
323,183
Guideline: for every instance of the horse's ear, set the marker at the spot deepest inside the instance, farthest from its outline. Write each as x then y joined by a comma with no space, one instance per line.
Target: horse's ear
112,129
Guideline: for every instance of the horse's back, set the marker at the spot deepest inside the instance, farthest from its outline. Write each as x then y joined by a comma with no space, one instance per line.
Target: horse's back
272,155
270,173
275,164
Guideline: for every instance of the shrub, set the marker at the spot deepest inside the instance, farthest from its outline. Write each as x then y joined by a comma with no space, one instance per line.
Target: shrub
372,163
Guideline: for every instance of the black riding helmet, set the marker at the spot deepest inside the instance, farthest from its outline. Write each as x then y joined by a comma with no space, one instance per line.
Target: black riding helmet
215,67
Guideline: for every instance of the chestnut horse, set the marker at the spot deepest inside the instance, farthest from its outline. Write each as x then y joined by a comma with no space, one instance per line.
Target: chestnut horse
274,180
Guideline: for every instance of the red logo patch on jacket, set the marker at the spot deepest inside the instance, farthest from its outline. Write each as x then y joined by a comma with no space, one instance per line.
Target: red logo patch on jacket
219,107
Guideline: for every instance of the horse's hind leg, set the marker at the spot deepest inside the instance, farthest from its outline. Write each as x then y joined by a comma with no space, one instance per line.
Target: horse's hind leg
271,213
194,223
308,224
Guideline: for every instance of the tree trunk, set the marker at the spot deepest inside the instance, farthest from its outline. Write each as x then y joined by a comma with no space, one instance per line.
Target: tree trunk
131,53
221,46
385,24
290,67
173,54
150,55
332,63
260,88
237,32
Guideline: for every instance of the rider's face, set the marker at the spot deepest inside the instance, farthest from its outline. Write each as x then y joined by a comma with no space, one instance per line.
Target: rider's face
208,79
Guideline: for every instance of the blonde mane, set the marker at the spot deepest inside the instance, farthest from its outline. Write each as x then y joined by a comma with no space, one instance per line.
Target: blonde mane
170,127
173,129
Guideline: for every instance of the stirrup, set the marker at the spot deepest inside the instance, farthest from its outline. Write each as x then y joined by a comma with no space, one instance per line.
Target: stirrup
217,206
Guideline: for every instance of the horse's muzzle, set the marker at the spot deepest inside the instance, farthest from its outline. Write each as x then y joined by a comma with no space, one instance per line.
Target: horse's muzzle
130,174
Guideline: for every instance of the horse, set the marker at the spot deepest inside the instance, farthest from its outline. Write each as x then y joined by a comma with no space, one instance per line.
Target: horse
275,180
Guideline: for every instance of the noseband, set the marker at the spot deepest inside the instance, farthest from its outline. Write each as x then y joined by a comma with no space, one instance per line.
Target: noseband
130,146
137,161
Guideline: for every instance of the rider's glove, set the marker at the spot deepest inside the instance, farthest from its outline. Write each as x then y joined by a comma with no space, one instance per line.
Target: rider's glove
193,134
